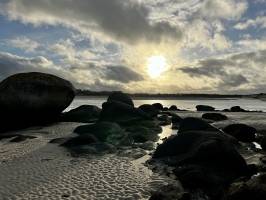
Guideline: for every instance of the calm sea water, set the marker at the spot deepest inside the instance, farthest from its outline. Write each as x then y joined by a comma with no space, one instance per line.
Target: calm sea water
189,104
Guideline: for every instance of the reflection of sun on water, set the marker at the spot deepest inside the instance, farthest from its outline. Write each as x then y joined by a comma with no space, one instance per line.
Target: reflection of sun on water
156,66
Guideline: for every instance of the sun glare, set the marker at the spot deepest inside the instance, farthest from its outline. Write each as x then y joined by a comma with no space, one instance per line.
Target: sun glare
156,66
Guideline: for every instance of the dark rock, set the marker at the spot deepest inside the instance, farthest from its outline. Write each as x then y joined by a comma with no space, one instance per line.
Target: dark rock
80,140
205,160
165,109
255,188
192,123
149,110
121,113
32,99
120,97
164,120
59,141
176,118
263,144
214,116
237,109
170,192
144,131
93,148
84,114
104,131
21,138
204,108
173,108
158,106
241,132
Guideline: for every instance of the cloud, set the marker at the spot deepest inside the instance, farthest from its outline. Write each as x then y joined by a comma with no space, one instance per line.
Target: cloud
258,22
126,20
24,43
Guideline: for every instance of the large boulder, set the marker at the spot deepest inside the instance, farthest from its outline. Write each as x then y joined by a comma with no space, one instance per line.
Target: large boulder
32,98
149,110
214,116
193,123
204,108
83,114
158,106
121,113
104,132
241,132
120,97
205,160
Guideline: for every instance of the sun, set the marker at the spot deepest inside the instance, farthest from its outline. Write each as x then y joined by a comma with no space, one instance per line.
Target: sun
156,66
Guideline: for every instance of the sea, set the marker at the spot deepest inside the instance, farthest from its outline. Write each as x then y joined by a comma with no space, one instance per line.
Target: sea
181,103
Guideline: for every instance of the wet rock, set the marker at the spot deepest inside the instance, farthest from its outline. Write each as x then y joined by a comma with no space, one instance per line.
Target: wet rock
263,144
34,98
192,123
176,121
104,131
120,97
158,106
173,108
237,109
80,140
204,108
83,114
255,188
144,131
149,110
165,109
93,148
121,113
214,116
170,192
241,132
164,120
205,160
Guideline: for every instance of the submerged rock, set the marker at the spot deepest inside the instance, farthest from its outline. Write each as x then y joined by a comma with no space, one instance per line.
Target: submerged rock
204,108
192,123
33,98
120,97
241,132
84,114
149,110
214,116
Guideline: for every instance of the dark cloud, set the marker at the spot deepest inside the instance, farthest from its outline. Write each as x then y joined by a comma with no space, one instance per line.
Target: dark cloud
126,20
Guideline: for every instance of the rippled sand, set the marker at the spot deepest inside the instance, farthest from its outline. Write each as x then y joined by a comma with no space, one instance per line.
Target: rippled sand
36,169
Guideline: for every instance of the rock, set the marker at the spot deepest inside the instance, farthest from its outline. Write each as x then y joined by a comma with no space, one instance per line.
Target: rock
158,106
80,140
241,132
214,116
165,109
237,109
21,138
93,148
59,141
107,132
176,121
255,188
205,160
192,123
121,113
33,98
173,108
120,97
144,131
263,143
83,114
204,108
164,120
170,192
149,110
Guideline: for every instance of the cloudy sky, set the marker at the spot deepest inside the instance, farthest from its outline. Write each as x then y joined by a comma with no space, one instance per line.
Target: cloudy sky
202,46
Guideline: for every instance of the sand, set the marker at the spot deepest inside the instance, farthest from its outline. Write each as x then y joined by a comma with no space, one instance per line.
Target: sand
36,169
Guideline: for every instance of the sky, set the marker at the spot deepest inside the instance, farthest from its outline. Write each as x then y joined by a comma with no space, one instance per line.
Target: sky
151,46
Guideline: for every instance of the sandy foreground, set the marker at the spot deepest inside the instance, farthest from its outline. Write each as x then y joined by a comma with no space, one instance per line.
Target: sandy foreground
36,169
